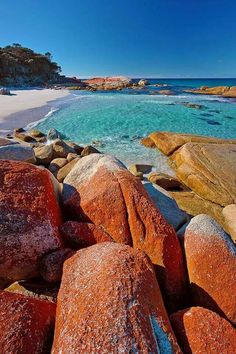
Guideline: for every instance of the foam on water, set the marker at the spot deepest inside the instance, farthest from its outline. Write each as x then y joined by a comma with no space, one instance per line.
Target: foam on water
117,121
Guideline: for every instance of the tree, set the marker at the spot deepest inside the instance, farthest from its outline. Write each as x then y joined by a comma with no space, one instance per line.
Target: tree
17,45
48,55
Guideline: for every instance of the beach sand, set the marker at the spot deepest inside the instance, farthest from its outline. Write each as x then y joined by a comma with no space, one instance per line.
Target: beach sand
26,106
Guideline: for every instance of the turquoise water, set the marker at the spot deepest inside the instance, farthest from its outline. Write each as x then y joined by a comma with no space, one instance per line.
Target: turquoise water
116,121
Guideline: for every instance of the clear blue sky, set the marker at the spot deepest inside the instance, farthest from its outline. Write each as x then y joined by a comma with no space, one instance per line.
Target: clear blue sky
138,38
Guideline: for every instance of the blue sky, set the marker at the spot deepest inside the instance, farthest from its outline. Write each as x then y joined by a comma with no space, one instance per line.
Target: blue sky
138,38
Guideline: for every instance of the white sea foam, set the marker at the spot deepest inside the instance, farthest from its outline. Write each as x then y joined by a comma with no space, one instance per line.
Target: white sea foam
49,114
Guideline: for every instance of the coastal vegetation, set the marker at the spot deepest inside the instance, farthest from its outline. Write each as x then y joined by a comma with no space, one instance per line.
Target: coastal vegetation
23,66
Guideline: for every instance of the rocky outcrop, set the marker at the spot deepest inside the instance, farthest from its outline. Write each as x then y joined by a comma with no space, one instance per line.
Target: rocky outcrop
199,330
143,82
29,219
224,91
97,186
82,234
168,142
109,301
26,324
108,83
211,262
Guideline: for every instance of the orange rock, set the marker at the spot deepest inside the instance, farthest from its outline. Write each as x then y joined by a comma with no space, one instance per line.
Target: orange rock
211,262
29,219
26,324
99,189
202,331
110,302
83,234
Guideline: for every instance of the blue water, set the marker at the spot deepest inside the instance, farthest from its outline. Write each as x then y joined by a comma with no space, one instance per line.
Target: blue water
116,121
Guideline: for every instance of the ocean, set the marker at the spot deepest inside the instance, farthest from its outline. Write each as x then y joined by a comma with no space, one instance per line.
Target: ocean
114,122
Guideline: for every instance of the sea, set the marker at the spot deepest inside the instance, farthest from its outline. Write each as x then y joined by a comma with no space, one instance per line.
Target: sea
115,122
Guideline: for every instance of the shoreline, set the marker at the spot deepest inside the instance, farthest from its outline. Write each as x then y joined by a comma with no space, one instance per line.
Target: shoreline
28,106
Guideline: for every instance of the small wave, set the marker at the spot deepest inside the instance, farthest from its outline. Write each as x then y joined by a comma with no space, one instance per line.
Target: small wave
49,114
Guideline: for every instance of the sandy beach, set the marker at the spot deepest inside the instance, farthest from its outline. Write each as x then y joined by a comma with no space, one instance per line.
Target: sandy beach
26,106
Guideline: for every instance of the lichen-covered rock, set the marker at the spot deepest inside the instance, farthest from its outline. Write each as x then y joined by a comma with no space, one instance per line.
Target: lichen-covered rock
26,324
109,302
17,152
51,264
211,262
29,219
200,330
83,234
99,189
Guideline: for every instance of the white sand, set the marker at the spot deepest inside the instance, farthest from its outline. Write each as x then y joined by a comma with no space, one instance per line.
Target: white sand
17,110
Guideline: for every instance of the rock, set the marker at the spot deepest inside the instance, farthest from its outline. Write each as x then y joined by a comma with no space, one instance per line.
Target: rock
211,262
108,83
168,142
5,91
56,164
225,91
167,206
29,219
26,324
77,148
17,152
24,137
38,289
143,82
51,264
135,168
165,181
199,330
99,189
71,156
229,214
124,309
36,133
83,234
4,142
193,105
63,172
53,134
166,92
44,154
148,142
89,150
61,149
197,166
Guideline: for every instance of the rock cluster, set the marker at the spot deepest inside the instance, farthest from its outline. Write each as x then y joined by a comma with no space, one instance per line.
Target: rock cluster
224,91
206,168
97,254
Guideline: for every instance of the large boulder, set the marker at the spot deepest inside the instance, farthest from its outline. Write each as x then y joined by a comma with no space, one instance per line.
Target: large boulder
229,215
211,262
199,330
17,152
99,189
44,154
29,219
206,171
168,142
26,324
109,302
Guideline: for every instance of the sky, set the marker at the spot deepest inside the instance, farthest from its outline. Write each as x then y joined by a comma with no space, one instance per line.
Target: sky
136,38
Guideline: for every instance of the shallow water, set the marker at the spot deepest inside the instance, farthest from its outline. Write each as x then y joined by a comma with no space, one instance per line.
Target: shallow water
116,121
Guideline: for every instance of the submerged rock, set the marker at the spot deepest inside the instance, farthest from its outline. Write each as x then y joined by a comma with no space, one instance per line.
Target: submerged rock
26,324
211,262
109,301
29,219
199,330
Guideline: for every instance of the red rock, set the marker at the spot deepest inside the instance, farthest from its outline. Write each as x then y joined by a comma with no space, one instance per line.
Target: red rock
83,234
211,262
51,265
110,302
99,189
26,324
203,331
29,219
